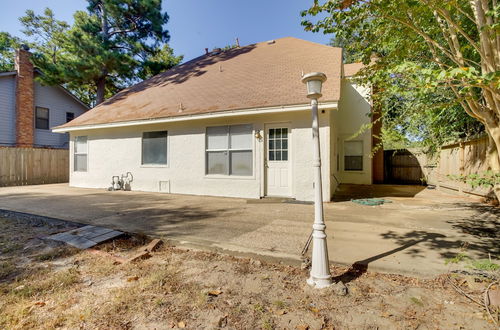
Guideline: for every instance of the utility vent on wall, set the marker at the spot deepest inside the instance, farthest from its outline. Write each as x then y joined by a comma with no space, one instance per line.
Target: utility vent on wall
164,186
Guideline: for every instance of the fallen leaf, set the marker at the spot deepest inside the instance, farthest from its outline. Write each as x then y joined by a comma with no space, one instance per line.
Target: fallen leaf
181,324
133,278
302,327
40,303
314,310
214,292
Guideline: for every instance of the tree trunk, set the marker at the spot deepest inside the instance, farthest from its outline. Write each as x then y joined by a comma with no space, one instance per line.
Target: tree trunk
101,89
101,81
493,156
492,151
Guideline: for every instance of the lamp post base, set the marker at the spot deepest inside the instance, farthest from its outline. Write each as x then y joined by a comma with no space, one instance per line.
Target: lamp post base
320,283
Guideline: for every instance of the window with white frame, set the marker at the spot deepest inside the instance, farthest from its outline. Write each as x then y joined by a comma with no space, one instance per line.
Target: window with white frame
353,155
229,150
154,148
80,154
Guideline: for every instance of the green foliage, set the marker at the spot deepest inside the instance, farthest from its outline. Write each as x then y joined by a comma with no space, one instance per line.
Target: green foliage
457,259
350,53
160,60
8,44
45,31
114,44
484,264
478,264
484,179
421,86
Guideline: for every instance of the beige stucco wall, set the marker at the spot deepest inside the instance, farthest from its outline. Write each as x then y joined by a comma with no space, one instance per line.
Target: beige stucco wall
115,151
352,114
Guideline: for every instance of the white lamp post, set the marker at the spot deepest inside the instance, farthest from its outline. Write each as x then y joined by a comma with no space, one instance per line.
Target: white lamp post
320,276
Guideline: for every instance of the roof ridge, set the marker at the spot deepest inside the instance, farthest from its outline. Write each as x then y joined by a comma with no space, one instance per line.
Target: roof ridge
248,77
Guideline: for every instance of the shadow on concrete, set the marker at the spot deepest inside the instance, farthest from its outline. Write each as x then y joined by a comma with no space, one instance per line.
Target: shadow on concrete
481,230
484,224
432,241
173,216
360,267
347,192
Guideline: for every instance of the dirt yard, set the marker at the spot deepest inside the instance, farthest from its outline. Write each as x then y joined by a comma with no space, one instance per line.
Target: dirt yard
45,285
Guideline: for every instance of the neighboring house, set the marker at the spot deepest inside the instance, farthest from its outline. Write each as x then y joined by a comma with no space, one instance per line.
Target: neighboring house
233,123
28,109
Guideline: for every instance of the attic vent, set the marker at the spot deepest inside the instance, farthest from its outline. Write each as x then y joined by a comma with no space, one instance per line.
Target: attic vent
164,186
270,42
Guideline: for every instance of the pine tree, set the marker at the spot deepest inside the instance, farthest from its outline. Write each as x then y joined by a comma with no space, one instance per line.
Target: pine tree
113,44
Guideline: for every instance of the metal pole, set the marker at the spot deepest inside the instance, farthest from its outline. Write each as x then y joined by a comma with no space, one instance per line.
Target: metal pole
320,275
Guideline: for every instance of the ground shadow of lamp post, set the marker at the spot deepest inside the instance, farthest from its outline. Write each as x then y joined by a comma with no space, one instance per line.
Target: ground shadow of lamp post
320,276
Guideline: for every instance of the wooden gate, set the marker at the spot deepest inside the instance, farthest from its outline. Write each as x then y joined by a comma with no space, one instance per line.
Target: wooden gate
402,167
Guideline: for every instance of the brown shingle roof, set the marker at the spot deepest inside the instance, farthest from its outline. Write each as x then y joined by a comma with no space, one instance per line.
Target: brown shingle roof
352,68
258,75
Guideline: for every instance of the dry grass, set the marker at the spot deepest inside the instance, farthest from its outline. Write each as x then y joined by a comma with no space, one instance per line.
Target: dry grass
59,288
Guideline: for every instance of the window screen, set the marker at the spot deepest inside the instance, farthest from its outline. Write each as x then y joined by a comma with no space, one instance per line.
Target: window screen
154,148
42,118
80,154
229,150
353,155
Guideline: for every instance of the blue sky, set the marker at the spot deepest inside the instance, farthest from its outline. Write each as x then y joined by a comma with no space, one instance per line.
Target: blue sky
195,24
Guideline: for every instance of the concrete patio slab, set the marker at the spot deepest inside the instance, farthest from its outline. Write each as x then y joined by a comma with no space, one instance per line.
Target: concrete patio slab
414,234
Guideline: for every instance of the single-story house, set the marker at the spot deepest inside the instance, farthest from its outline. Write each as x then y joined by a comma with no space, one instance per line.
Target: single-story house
29,109
233,123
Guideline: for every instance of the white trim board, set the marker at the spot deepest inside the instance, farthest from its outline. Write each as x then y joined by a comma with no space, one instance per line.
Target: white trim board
219,114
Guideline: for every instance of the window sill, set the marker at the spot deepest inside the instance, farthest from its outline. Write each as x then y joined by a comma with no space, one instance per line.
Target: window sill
230,177
154,166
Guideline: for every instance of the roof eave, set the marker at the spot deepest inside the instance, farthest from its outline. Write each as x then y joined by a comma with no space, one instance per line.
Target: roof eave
219,114
8,73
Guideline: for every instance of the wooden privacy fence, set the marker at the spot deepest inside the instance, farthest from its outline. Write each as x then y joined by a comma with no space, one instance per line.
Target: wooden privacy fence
466,157
25,166
458,158
402,167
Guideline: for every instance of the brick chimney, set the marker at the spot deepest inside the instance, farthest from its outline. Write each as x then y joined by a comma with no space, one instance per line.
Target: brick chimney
24,98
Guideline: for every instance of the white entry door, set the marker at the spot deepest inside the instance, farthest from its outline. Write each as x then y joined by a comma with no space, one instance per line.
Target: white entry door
277,164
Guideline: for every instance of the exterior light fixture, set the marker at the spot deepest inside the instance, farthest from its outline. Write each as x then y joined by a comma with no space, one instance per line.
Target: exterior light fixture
320,276
314,81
